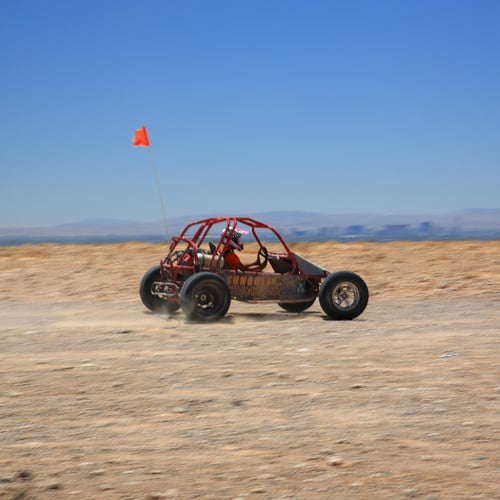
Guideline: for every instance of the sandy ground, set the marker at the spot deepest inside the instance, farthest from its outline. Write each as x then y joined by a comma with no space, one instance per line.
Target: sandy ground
101,399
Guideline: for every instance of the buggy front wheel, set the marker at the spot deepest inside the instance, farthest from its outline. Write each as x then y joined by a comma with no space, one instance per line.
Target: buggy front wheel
343,295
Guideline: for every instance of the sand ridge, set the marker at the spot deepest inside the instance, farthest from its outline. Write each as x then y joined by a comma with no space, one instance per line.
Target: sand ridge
111,272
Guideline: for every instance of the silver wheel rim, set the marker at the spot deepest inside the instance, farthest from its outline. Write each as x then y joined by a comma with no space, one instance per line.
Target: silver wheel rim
345,296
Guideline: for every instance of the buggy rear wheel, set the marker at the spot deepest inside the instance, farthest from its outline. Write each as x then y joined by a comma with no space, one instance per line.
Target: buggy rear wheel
343,295
151,301
205,297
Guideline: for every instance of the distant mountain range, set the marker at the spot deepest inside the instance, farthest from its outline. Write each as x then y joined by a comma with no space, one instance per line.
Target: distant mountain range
477,223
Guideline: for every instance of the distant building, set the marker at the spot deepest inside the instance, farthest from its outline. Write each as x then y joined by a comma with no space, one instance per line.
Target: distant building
425,227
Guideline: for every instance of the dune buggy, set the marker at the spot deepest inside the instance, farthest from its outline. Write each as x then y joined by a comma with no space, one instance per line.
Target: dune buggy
194,277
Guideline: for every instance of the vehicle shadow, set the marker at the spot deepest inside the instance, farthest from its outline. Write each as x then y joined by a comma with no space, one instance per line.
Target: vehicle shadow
234,317
270,316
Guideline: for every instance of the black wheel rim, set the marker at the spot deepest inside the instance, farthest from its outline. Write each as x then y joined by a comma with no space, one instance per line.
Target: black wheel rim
207,299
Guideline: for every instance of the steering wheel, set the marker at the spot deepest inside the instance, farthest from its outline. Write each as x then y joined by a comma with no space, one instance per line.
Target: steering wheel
262,257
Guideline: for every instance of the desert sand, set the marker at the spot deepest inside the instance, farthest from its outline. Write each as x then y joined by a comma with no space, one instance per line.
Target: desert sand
100,399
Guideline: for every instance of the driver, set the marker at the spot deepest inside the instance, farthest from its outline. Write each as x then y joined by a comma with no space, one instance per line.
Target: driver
231,258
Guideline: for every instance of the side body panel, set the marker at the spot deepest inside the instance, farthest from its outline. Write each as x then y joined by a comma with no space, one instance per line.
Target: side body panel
256,287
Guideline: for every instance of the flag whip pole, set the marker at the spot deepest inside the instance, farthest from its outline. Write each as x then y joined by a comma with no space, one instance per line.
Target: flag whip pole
155,172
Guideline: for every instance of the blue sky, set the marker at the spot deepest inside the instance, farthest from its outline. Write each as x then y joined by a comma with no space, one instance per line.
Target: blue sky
380,106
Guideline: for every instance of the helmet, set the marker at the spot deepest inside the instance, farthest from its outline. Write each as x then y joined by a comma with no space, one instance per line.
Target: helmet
234,235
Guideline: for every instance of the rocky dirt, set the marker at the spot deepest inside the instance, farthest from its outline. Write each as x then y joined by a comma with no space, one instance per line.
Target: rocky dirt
101,399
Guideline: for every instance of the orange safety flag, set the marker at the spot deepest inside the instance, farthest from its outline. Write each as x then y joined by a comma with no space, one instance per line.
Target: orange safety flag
140,137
